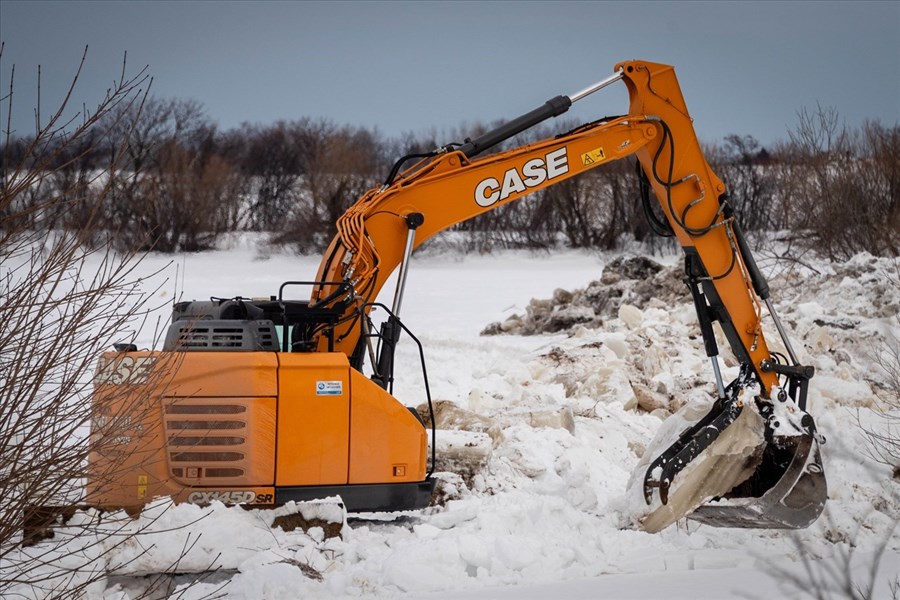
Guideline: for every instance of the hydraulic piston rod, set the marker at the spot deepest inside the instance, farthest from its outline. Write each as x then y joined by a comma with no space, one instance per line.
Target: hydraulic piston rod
390,329
784,336
551,108
413,220
596,87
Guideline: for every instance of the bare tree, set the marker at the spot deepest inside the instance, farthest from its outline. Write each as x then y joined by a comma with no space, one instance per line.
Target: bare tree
174,191
270,160
338,164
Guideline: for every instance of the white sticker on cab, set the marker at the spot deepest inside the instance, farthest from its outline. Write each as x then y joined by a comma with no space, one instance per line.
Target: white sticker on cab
329,388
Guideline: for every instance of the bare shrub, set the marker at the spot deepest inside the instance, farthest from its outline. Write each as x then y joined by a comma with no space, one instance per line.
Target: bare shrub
746,169
884,436
63,303
841,187
186,203
269,160
847,576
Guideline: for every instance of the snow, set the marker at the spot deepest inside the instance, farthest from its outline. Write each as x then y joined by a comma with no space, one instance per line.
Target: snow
548,513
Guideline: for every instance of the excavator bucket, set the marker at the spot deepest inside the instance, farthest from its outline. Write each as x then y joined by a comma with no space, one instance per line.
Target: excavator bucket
745,463
788,491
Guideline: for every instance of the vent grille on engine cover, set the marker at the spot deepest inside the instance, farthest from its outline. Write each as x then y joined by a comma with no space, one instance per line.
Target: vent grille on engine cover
220,335
207,442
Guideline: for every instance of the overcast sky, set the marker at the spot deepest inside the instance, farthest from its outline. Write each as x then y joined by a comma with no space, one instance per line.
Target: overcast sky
744,67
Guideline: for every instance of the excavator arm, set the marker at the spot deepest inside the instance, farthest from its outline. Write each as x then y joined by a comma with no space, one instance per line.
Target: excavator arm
451,185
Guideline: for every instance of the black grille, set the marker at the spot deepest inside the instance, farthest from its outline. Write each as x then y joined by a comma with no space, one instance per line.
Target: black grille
206,424
221,336
223,472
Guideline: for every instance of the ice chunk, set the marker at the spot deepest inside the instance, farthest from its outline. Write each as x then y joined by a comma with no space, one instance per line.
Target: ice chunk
727,462
631,316
462,452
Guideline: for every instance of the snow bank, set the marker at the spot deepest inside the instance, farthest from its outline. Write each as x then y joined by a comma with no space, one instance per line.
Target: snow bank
546,513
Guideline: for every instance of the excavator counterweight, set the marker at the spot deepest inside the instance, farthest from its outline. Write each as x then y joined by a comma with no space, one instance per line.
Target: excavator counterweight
263,401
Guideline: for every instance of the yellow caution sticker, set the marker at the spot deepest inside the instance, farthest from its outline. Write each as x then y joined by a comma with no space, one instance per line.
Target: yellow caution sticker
142,486
593,157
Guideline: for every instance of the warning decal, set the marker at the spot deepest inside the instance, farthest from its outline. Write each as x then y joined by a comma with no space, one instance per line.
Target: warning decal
329,388
592,157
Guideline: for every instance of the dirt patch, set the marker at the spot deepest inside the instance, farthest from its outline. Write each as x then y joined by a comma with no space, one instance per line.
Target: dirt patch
297,521
634,281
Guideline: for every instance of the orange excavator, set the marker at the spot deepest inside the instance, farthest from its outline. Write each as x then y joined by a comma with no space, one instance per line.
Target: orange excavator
264,401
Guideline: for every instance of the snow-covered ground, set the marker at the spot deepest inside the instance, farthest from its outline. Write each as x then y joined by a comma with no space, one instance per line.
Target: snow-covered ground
547,515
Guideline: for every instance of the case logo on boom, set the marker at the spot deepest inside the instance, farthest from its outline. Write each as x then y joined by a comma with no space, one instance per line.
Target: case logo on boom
536,171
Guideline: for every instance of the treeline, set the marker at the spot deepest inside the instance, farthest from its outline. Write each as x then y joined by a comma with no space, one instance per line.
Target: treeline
162,176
